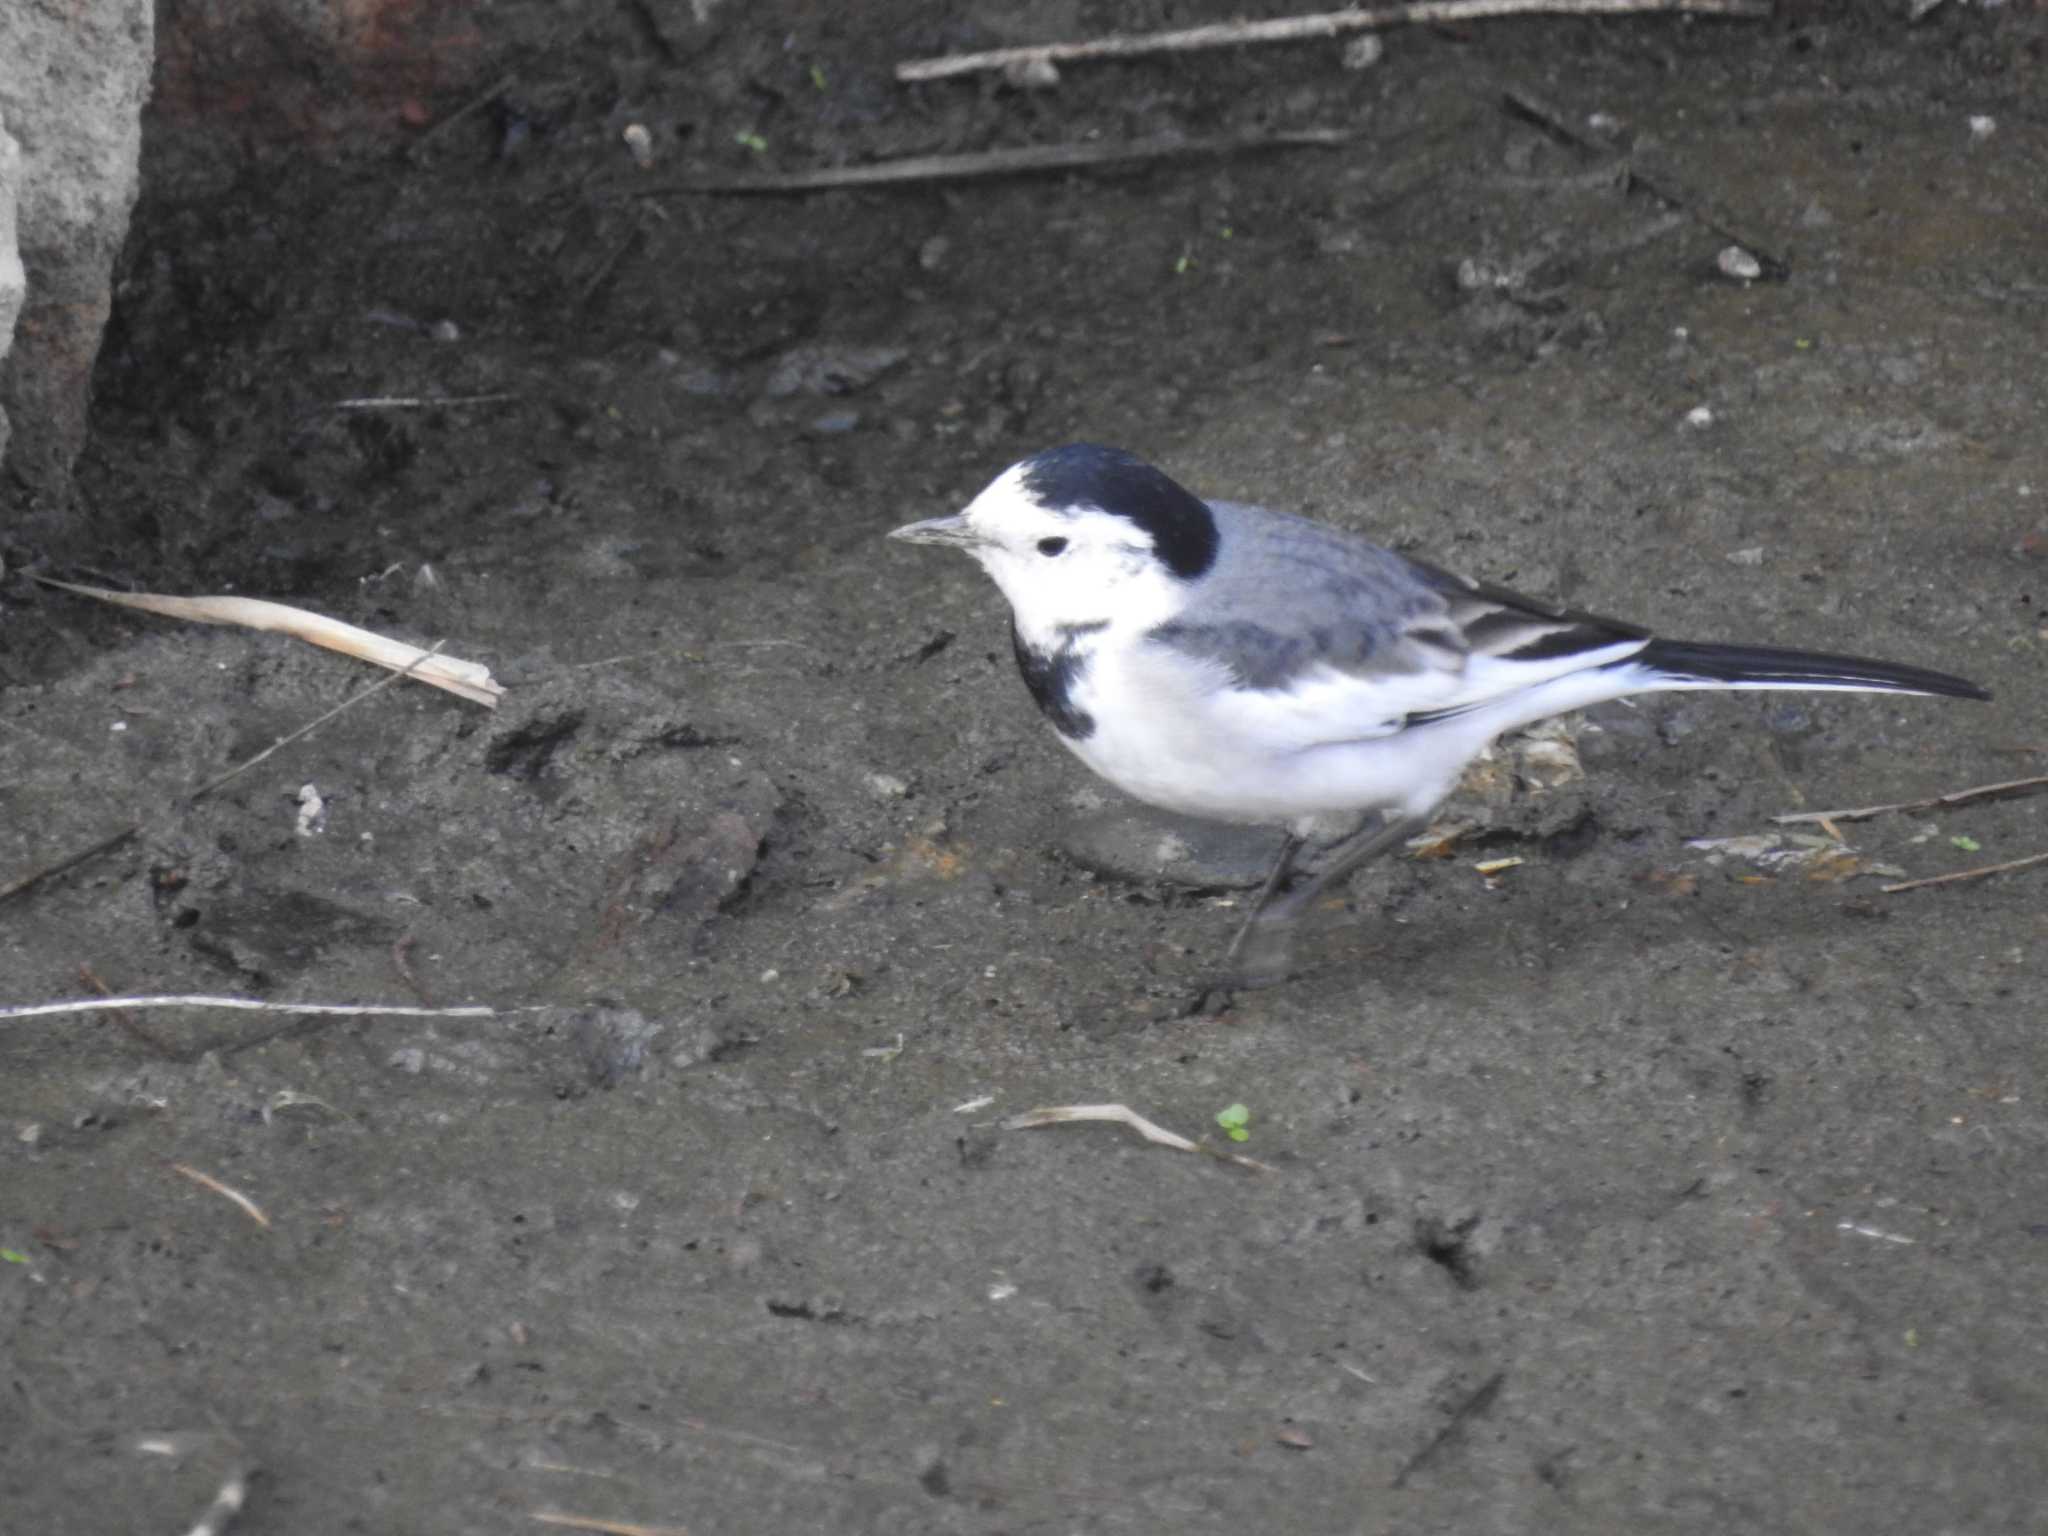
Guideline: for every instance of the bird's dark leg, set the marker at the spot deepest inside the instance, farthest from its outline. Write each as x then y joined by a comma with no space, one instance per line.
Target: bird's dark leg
1283,865
1260,953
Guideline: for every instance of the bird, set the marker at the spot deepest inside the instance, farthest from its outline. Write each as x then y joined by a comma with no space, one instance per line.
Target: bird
1238,664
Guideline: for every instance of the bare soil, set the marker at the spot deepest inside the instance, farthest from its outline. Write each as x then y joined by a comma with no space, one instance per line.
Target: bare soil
1638,1188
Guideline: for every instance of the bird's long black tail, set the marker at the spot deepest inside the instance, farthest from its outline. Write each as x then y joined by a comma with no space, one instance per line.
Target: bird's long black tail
1681,664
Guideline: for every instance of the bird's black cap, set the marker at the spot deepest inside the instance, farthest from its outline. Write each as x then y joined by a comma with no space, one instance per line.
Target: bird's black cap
1089,475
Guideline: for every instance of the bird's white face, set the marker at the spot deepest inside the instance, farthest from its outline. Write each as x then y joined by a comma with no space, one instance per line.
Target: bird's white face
1062,568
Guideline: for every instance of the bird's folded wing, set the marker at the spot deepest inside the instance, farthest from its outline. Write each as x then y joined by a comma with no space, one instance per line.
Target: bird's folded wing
1315,636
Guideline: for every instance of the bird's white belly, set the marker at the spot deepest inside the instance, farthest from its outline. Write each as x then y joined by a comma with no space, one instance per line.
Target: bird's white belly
1164,734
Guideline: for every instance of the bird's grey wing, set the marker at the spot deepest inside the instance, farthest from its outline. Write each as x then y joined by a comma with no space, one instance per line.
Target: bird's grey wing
1293,605
1287,598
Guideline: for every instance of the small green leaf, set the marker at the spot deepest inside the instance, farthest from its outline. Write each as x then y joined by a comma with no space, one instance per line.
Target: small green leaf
1234,1118
1802,344
1182,263
818,76
12,1257
1967,844
1226,232
751,140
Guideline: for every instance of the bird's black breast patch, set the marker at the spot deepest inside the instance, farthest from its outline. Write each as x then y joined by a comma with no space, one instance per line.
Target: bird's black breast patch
1051,675
1182,528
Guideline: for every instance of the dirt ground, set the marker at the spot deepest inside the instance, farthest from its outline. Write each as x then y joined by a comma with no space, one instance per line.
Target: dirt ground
1641,1187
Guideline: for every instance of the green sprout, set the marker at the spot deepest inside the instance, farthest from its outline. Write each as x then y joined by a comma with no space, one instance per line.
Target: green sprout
751,140
1234,1118
1967,844
1182,263
12,1257
818,77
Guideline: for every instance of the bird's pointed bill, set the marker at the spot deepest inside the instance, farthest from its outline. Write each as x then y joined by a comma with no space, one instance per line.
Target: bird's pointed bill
937,530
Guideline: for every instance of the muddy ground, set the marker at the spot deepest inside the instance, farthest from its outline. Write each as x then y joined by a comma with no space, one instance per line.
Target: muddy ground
1643,1188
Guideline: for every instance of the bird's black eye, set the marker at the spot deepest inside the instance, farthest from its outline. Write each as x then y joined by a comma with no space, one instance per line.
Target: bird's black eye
1051,547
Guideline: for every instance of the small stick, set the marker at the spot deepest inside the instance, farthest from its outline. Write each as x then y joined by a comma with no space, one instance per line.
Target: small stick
131,1027
1954,797
1966,874
250,1004
1662,188
1121,1114
1470,1409
475,104
611,1527
208,1181
72,861
1000,162
313,725
414,402
1232,34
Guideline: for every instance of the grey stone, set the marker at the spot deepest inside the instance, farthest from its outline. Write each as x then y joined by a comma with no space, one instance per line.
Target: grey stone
73,79
1132,842
13,280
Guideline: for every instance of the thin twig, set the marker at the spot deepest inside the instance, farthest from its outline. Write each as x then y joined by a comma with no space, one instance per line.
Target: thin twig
131,1027
475,104
1000,162
313,725
208,1181
72,861
252,1005
1282,29
1966,874
1664,188
1954,797
414,402
1123,1114
1481,1399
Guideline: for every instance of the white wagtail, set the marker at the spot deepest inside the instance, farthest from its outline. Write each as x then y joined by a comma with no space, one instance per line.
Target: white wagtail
1244,665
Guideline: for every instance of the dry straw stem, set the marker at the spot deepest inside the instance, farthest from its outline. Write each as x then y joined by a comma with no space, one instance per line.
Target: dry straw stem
208,1181
1955,876
1123,1114
609,1527
1932,802
248,1004
1287,29
1020,161
466,679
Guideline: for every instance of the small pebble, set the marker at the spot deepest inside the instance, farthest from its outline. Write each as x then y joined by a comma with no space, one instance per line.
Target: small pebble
640,144
1737,263
1363,52
1699,416
1982,127
1039,74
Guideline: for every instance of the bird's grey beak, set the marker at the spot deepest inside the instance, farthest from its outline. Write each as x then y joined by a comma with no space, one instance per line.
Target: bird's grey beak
938,530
